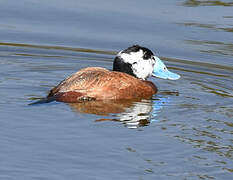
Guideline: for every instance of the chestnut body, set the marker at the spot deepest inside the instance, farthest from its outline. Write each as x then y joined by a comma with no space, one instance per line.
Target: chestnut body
95,83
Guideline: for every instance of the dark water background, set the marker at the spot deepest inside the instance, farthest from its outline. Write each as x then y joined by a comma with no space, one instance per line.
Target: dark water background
184,132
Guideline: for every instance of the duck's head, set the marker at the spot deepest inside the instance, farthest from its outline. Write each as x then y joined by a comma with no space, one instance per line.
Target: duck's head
140,62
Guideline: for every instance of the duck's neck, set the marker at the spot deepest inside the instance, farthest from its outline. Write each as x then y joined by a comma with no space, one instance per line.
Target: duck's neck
121,66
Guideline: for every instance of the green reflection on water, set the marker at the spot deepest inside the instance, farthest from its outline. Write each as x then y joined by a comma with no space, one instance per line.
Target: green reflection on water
221,150
216,91
58,48
214,47
209,26
195,3
228,169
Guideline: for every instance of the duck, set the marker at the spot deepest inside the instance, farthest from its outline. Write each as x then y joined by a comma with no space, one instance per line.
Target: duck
126,81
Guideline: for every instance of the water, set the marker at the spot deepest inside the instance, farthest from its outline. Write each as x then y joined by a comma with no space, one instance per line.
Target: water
183,132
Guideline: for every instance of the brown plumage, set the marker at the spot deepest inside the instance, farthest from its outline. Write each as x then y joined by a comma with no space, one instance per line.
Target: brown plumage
95,83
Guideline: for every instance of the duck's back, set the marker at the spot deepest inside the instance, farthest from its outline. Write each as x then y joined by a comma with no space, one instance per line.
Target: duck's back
95,83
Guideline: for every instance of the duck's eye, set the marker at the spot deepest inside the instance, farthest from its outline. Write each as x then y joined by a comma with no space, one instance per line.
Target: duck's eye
146,56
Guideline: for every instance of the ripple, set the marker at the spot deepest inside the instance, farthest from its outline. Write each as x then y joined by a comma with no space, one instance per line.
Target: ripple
195,3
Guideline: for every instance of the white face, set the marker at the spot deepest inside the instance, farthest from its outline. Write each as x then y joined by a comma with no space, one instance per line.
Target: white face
142,68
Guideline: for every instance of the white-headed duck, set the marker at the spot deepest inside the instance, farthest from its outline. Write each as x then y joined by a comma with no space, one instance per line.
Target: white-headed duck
131,68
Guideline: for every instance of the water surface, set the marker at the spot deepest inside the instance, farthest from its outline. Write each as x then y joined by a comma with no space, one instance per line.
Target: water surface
183,132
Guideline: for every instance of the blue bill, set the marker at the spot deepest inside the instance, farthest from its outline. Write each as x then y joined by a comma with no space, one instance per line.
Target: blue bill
161,71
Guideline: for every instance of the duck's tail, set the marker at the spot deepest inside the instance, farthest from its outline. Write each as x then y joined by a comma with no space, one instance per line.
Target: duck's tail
43,100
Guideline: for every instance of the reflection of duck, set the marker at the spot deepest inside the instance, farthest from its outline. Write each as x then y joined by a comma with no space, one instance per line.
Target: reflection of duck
102,107
131,68
137,115
130,113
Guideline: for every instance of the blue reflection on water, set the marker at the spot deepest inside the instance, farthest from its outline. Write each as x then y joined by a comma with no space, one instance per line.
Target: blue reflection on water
157,105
